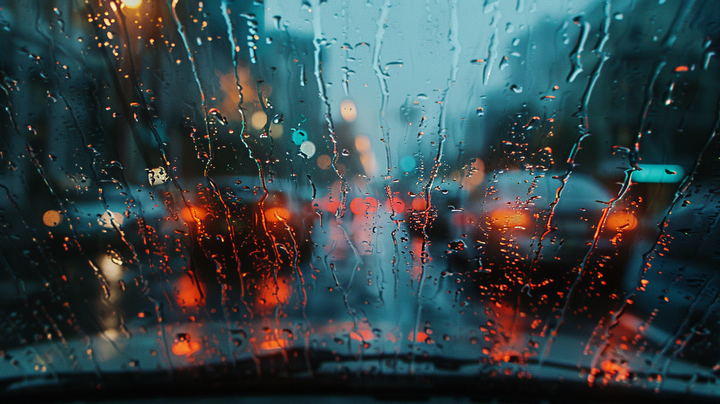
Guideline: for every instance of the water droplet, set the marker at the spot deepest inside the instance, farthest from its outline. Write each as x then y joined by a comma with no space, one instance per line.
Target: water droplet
215,116
407,163
157,176
345,152
480,112
504,63
115,257
456,246
299,136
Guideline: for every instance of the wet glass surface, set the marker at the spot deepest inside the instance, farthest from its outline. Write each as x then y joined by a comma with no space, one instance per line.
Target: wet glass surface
517,192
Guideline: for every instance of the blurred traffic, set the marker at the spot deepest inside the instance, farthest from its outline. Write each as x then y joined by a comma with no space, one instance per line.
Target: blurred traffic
228,180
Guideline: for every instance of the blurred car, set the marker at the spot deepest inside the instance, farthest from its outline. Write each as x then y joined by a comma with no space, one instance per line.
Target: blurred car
522,222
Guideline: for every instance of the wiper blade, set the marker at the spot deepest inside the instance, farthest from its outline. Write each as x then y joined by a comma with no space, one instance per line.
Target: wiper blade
285,372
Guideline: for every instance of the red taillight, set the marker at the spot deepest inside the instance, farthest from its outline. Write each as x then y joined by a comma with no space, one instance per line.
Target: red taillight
397,204
359,206
419,203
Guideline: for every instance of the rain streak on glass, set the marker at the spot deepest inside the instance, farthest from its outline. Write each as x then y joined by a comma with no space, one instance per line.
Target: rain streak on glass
513,191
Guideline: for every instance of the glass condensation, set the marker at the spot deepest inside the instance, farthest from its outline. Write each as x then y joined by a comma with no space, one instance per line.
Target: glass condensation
513,189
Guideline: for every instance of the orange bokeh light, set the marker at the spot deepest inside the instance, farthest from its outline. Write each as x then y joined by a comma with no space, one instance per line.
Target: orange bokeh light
190,216
362,143
621,221
272,293
324,161
277,215
509,218
187,293
613,369
186,347
362,334
273,344
52,218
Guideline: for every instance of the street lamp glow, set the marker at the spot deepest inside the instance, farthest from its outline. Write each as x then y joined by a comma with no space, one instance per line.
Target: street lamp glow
131,3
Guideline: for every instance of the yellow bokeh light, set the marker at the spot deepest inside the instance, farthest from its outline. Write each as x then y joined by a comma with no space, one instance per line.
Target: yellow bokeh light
276,131
52,218
109,219
369,164
258,120
131,3
110,270
348,110
474,176
362,143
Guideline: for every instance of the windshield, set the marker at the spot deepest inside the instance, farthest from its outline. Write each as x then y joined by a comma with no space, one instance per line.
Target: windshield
505,199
